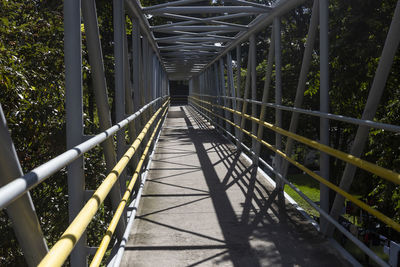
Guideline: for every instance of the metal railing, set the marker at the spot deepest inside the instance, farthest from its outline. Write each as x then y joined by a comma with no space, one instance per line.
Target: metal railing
279,176
373,168
201,52
218,95
19,186
61,250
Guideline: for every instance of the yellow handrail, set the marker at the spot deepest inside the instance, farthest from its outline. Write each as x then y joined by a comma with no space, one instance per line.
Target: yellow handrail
114,222
60,251
363,164
337,189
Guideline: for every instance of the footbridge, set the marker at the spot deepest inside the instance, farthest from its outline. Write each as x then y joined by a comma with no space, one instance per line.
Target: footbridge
203,181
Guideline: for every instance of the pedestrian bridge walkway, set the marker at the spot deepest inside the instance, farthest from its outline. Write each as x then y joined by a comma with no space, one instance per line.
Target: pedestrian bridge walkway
205,204
199,199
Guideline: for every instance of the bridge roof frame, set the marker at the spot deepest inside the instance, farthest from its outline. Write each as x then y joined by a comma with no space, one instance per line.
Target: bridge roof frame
196,27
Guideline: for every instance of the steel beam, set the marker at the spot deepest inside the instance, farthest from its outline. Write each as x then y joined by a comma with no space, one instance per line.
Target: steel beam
267,82
253,89
259,24
374,96
201,28
207,10
119,24
367,123
246,3
223,90
278,96
21,212
309,48
231,87
194,20
190,47
188,37
245,94
74,116
136,65
173,3
238,86
134,10
100,91
324,102
129,106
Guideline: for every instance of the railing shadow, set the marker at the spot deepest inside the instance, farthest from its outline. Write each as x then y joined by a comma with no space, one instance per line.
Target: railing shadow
262,217
233,231
254,230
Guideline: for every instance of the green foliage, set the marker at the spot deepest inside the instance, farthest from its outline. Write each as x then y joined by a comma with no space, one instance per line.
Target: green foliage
32,96
309,187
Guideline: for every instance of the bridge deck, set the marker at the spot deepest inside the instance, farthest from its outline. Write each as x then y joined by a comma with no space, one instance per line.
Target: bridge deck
204,205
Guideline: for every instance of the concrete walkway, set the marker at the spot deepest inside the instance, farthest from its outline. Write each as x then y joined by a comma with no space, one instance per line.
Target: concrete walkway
204,205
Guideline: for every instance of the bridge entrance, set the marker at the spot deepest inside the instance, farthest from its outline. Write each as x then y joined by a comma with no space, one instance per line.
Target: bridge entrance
179,92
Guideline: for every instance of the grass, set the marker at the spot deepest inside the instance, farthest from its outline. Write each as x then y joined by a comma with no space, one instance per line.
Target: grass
360,256
309,187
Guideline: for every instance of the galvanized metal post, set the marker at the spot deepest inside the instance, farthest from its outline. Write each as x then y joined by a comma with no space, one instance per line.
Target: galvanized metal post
245,96
238,75
231,87
253,88
324,102
136,70
374,96
135,65
278,96
100,92
223,91
218,99
21,212
267,82
129,109
218,94
238,90
143,75
119,24
74,115
309,47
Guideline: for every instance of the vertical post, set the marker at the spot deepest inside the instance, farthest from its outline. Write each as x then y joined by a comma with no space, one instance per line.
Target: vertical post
231,87
238,87
214,71
217,94
278,95
135,65
223,91
309,48
136,70
238,75
100,91
268,74
21,211
119,24
253,88
378,85
74,115
324,103
245,96
145,86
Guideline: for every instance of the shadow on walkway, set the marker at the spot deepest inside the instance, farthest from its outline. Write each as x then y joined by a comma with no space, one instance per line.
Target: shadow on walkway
205,204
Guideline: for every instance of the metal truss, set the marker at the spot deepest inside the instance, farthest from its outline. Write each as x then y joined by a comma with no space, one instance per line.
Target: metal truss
192,40
190,34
